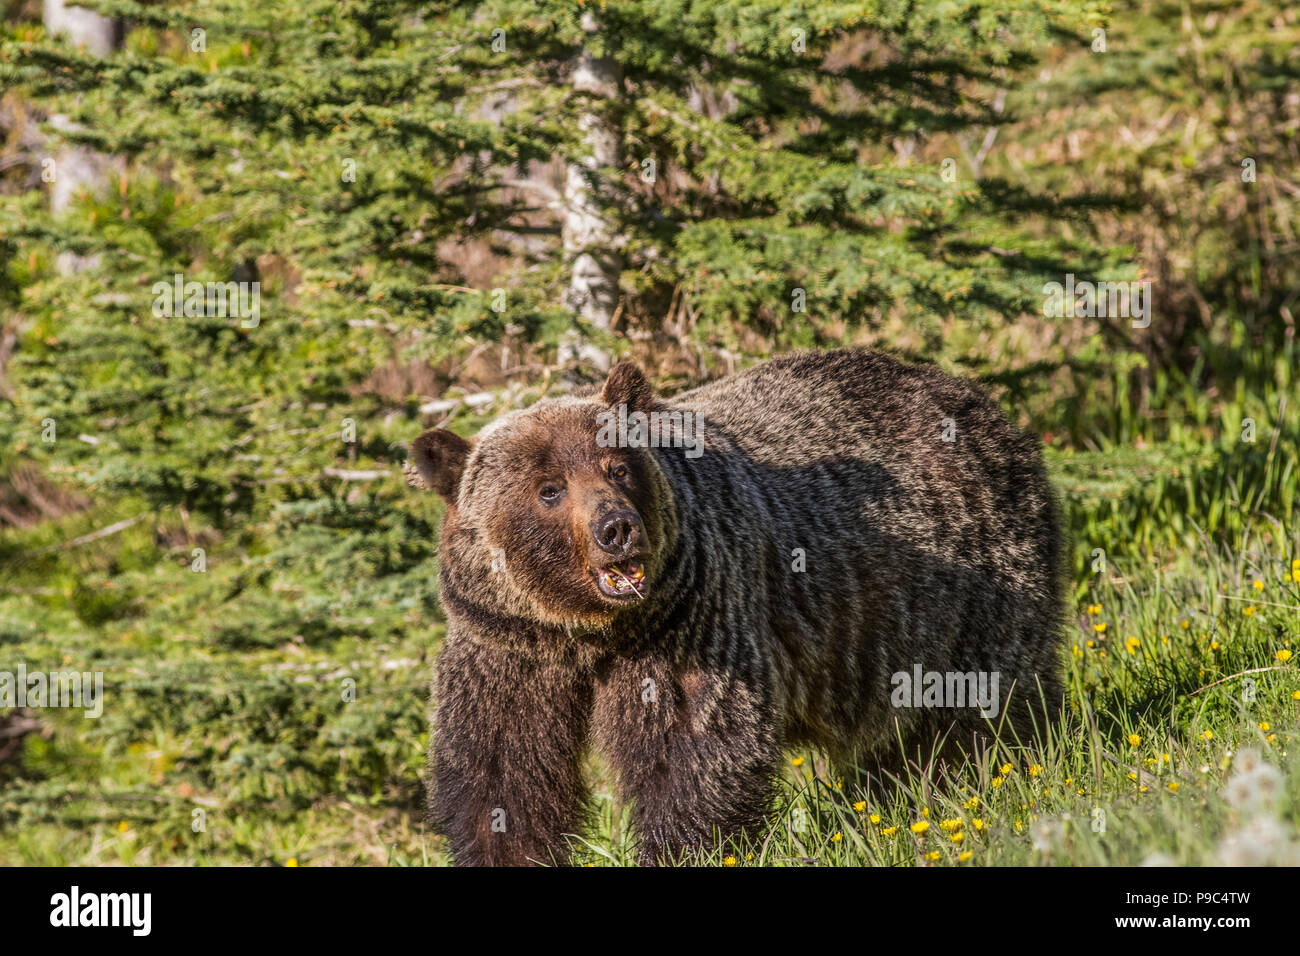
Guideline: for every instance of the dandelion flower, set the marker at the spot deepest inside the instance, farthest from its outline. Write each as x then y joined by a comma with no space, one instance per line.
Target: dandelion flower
729,861
1134,741
1132,644
1173,786
292,861
874,818
1208,735
797,762
964,856
860,806
978,824
920,826
1284,655
932,855
957,837
889,831
1255,785
1100,628
838,837
1263,725
1035,770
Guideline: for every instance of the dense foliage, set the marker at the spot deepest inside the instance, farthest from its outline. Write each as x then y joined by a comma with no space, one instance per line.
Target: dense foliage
208,507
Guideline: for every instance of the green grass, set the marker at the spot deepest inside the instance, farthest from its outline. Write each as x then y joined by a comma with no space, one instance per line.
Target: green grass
275,706
279,767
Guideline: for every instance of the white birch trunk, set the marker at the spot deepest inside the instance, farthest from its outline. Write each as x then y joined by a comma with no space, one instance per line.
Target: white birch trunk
591,242
79,169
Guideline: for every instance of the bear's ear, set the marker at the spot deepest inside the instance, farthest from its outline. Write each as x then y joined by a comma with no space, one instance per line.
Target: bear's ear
439,458
627,385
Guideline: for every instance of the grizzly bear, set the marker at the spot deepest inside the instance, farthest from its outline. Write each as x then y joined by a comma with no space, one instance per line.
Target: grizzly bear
831,550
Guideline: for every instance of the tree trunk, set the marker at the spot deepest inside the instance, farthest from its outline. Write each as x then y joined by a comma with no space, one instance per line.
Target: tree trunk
85,28
591,242
79,169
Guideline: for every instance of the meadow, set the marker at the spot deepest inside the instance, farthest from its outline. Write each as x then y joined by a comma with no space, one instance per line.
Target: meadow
220,743
439,223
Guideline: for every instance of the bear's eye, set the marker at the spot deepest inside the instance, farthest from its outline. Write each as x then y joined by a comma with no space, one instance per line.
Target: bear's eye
618,472
550,493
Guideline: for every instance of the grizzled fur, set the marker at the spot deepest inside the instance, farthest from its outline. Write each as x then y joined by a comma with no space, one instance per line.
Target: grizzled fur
946,554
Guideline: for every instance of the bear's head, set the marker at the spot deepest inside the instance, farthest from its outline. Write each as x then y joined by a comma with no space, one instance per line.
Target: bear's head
548,518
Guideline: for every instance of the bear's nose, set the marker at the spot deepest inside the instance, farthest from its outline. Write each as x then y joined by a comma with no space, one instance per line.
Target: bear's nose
617,531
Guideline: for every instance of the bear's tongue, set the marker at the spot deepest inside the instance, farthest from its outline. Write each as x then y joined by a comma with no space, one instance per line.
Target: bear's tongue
622,578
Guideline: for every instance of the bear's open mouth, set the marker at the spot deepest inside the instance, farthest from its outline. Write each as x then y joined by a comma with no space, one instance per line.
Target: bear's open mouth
622,581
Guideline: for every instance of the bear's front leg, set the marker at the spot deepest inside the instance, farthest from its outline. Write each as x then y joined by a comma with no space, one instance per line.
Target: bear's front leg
694,748
505,755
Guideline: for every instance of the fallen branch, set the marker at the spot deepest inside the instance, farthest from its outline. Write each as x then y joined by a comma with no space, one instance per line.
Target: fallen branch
344,474
93,536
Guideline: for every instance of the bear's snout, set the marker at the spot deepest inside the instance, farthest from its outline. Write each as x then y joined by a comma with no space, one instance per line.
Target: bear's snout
617,532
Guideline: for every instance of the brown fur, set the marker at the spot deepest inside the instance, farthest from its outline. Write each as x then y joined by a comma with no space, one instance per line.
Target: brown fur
946,554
